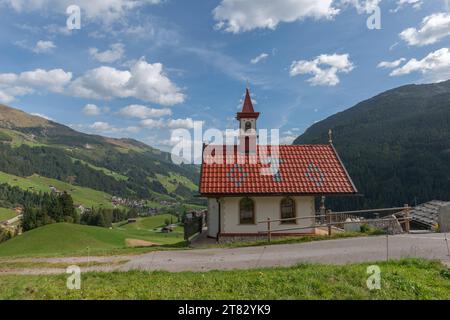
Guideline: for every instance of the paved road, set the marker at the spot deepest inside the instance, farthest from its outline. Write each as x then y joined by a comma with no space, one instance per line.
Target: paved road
369,249
352,250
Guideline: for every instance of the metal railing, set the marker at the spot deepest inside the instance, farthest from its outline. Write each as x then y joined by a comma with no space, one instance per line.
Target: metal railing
402,216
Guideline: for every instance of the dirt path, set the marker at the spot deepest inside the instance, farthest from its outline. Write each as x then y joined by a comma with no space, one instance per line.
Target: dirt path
352,250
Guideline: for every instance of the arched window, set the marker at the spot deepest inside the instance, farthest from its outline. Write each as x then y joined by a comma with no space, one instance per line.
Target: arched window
288,210
247,211
248,126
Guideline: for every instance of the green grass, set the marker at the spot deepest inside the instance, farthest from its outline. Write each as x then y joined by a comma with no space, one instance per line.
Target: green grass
115,175
406,279
173,180
35,183
148,229
16,138
6,214
64,239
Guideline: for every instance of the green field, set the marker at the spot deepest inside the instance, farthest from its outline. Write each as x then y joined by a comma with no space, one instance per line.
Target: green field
73,239
172,181
6,214
115,175
407,279
148,229
85,196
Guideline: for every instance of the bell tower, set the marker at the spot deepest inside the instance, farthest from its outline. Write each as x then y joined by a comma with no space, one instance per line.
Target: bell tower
247,124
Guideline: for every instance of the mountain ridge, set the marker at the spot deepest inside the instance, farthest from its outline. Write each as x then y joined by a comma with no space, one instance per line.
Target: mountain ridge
89,160
396,145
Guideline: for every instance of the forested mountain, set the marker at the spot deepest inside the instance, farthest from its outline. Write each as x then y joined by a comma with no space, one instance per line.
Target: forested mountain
120,167
396,146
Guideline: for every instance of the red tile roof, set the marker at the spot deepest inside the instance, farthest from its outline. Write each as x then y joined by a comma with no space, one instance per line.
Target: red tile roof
304,169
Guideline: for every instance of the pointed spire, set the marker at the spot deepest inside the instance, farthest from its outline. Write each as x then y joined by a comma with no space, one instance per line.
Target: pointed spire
248,104
247,108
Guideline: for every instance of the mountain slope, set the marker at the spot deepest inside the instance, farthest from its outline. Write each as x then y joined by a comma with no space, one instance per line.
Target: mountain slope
396,146
122,167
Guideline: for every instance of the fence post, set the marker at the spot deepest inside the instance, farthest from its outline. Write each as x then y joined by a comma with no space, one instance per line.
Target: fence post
329,222
407,224
269,230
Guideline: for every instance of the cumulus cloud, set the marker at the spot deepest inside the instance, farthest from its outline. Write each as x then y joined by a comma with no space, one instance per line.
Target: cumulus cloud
435,66
324,68
433,29
106,11
13,85
144,81
40,115
362,6
115,53
416,4
91,110
44,47
242,15
143,112
102,126
187,123
259,58
391,64
152,123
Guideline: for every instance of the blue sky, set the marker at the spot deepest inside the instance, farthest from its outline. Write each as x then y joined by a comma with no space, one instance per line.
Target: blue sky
140,68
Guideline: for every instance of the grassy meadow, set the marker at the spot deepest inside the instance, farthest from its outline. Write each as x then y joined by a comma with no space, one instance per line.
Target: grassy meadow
63,239
6,214
84,196
406,279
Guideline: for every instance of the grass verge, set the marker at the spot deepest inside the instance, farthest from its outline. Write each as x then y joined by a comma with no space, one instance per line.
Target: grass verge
405,279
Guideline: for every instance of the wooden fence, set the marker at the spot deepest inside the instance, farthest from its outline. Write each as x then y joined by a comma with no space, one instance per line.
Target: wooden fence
192,226
339,219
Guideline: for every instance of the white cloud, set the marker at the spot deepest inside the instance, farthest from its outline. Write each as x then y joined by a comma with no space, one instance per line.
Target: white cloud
13,85
259,58
288,139
143,112
416,4
106,11
91,110
391,64
44,47
187,123
324,68
242,15
435,66
143,81
362,6
115,53
102,127
433,29
152,123
40,115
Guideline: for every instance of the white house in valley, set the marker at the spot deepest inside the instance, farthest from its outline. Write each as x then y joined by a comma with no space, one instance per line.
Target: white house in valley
248,183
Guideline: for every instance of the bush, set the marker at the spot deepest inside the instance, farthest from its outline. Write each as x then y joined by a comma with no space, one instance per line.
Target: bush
365,228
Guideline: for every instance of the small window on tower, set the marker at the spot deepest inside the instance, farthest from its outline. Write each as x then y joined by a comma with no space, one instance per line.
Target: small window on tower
248,125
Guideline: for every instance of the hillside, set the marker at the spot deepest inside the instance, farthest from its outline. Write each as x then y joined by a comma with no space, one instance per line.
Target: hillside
74,239
31,145
396,146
